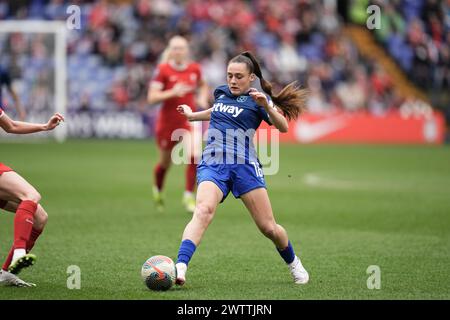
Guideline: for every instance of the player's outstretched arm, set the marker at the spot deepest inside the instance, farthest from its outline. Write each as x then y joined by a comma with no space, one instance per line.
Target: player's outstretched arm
19,127
204,115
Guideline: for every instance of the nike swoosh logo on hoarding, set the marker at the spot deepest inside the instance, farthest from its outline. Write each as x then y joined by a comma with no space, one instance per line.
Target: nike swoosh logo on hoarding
312,131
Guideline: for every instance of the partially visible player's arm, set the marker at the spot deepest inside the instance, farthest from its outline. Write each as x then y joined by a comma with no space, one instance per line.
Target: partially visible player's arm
204,115
277,119
203,95
19,127
156,94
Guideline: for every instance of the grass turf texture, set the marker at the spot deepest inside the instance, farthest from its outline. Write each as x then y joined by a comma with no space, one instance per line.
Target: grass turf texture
345,208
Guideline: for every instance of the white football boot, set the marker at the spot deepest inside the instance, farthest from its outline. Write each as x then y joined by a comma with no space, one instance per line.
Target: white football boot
9,279
20,262
181,273
298,272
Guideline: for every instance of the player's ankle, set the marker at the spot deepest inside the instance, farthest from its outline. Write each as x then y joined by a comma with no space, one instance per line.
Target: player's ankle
18,253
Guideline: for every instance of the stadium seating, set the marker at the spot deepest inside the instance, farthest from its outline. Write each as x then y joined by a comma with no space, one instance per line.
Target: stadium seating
112,57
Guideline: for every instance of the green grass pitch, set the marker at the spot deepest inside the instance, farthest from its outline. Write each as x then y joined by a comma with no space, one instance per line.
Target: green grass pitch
345,208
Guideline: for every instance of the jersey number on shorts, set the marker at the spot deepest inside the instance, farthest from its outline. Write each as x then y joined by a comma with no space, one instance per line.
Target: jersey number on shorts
258,170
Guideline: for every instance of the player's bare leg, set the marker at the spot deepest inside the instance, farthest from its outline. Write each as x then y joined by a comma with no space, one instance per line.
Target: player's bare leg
192,143
258,203
208,197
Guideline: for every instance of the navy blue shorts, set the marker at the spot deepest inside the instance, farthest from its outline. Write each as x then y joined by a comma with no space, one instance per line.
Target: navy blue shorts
237,178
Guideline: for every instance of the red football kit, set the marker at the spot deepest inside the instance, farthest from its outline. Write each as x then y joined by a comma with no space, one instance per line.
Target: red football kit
169,118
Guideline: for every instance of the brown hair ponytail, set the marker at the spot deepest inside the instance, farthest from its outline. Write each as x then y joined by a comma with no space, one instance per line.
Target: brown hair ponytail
291,100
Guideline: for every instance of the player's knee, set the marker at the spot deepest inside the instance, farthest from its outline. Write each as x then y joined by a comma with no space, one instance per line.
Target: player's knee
165,160
31,195
165,164
269,230
204,212
40,218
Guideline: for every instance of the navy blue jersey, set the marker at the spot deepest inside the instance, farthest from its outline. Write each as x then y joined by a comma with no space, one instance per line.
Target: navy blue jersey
5,81
234,120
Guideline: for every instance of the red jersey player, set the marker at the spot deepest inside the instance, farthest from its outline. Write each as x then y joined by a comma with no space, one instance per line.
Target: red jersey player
175,82
17,195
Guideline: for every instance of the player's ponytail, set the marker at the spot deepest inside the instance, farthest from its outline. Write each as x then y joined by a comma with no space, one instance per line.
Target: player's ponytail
291,100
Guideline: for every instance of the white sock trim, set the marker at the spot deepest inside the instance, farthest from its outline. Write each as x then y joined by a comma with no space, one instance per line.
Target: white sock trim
293,263
18,253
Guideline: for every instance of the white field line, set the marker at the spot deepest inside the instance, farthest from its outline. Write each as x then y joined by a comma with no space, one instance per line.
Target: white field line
326,181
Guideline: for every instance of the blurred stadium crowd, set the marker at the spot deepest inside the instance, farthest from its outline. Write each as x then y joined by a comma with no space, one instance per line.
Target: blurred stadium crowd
416,34
113,55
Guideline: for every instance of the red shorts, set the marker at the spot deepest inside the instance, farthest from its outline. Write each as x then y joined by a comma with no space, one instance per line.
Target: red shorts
4,168
164,137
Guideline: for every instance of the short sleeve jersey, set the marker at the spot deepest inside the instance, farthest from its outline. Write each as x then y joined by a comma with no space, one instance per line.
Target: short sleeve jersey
233,124
168,76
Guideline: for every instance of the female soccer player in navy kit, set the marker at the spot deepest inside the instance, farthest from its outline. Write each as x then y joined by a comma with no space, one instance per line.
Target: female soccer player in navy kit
238,110
17,195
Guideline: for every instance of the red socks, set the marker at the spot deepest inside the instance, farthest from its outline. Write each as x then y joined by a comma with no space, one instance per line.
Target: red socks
191,174
30,244
24,234
8,259
23,223
159,173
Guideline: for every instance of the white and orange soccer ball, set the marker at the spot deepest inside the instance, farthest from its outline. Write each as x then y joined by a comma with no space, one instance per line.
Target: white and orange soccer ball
159,273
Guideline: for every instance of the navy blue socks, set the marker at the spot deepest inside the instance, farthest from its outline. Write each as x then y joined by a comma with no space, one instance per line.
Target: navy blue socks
187,249
287,253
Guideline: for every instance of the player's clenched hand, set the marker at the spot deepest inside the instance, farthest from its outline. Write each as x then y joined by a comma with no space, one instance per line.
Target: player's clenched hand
54,121
259,97
185,110
181,89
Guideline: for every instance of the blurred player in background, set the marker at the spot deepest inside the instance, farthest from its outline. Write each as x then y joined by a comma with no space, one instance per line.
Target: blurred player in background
235,167
17,195
175,82
5,82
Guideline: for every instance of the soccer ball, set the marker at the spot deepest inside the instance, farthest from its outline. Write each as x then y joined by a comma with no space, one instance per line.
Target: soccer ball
159,273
